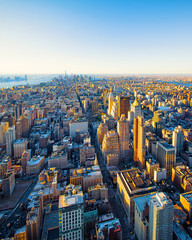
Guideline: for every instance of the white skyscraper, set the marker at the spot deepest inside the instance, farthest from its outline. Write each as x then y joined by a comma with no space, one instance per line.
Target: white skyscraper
177,140
136,108
161,211
10,138
71,214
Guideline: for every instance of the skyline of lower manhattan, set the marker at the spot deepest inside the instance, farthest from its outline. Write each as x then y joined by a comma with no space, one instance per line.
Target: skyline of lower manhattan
95,120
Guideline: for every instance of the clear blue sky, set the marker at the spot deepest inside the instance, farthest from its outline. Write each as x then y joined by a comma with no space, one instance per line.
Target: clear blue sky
95,36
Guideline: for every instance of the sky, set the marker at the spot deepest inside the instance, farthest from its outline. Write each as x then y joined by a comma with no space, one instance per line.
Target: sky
96,36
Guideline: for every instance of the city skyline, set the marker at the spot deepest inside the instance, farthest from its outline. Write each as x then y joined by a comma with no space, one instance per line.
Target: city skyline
140,37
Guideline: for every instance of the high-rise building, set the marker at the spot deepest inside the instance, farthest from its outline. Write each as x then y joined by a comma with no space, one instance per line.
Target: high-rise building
22,127
161,211
71,214
95,105
178,139
136,108
101,131
123,106
157,124
166,156
141,224
104,95
186,203
153,217
123,132
110,101
18,110
19,146
130,185
151,166
110,144
3,129
10,138
139,141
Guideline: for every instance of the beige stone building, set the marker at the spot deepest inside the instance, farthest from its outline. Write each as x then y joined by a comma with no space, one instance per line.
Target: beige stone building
139,141
123,132
110,144
130,185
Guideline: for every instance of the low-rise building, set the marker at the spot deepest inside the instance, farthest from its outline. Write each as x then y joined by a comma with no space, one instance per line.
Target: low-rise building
86,177
35,165
99,192
58,160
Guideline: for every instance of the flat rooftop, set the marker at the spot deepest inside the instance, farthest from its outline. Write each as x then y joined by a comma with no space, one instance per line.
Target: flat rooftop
142,201
21,140
134,183
166,145
66,201
187,196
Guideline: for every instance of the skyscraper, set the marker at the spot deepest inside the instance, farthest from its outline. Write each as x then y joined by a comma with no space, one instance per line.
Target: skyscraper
178,139
101,131
166,156
123,132
161,211
71,214
157,123
123,106
10,138
139,141
18,110
3,129
136,108
110,144
110,102
153,217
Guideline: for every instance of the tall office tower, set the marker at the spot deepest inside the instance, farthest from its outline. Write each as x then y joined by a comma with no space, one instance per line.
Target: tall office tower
19,146
110,144
141,224
95,105
25,127
178,139
110,101
104,94
136,108
3,129
157,124
166,156
139,141
22,127
161,211
18,127
131,185
123,132
18,110
56,131
10,119
123,106
101,131
71,214
10,138
114,110
131,117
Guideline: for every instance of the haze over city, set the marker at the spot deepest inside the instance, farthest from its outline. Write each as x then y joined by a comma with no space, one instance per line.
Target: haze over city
95,120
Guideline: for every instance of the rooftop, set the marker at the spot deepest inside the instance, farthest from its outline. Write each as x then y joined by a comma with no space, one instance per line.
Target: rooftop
21,230
187,196
141,202
134,182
